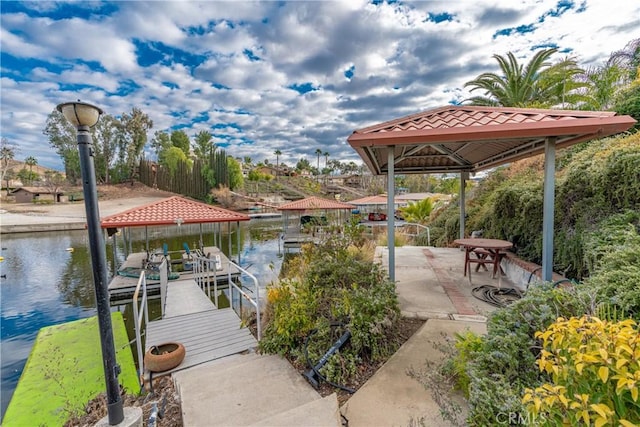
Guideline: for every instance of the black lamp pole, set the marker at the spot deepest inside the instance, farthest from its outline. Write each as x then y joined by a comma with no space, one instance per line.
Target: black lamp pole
99,264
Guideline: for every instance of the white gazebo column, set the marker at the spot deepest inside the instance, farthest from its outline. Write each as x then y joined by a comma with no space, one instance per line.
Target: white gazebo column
548,208
391,226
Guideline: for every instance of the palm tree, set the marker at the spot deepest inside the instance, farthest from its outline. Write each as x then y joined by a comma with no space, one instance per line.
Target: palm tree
318,153
326,161
277,153
31,162
602,87
517,86
418,212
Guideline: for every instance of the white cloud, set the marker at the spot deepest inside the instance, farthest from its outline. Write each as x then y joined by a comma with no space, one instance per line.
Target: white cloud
403,62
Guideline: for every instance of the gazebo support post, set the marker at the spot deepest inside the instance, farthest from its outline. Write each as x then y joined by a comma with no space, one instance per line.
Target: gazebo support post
463,181
238,239
391,226
229,238
548,207
115,253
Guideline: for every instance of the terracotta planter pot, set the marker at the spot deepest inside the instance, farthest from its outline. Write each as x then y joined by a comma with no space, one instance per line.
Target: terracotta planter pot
163,357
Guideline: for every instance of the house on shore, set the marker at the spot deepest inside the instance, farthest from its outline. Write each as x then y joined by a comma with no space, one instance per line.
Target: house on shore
36,194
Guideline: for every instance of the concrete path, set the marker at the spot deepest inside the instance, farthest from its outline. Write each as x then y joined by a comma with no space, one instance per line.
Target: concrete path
252,389
267,391
391,397
431,286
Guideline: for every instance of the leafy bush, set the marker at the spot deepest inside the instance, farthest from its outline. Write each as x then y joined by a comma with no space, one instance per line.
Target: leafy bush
331,287
505,364
613,256
594,372
595,180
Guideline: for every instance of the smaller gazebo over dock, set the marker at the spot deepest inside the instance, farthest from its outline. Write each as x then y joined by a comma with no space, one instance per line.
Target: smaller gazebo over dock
303,220
172,211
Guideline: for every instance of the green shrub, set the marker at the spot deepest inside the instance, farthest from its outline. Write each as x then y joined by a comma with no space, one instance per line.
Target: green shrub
328,288
467,346
505,365
594,181
613,257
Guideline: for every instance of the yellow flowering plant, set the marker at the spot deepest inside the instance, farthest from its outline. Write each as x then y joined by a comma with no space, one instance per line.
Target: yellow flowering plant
594,367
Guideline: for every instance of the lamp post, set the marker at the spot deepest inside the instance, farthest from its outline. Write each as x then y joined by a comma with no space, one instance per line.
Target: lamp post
84,116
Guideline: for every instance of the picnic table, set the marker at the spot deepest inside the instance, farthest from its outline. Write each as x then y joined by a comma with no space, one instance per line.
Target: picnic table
484,251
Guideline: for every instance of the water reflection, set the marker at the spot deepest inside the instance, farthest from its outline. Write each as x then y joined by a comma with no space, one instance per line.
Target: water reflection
45,284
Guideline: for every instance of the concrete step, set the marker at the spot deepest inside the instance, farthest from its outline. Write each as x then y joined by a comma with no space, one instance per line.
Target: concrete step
242,391
318,413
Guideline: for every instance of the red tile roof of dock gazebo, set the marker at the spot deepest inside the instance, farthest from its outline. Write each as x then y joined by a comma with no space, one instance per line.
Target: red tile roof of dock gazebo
314,203
171,211
380,199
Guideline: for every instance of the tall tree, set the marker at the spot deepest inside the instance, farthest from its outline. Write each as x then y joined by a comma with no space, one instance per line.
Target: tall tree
106,134
180,139
516,86
53,180
172,157
235,173
318,154
277,153
133,137
628,59
7,153
62,138
160,141
203,145
31,162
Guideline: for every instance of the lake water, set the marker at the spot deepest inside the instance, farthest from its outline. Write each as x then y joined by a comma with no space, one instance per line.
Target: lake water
45,283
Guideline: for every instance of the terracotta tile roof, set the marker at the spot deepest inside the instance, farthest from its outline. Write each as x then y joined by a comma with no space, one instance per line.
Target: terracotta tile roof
171,211
314,203
471,138
379,199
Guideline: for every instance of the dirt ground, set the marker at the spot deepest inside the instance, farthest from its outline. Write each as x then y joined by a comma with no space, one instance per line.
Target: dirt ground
164,402
105,193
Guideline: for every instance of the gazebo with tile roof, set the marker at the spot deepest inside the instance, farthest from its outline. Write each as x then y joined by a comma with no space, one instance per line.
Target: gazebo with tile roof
312,203
174,210
467,139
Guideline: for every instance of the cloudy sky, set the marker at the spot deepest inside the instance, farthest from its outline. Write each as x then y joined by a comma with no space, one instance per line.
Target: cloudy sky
263,76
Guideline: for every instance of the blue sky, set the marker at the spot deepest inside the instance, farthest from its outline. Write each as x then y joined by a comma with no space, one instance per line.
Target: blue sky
266,76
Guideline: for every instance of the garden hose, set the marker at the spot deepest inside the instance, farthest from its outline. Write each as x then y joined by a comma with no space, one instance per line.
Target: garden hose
314,369
498,297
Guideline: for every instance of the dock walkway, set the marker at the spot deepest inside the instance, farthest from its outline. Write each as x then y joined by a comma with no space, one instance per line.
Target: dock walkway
121,288
190,318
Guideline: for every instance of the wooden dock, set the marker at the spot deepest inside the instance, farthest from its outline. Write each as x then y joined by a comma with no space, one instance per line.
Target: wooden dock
206,332
121,288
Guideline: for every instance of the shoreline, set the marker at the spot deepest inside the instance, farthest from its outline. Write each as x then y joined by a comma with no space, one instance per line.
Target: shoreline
29,218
